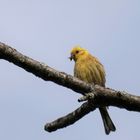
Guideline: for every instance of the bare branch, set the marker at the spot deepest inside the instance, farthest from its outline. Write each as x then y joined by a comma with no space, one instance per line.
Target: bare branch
42,70
119,99
102,96
70,118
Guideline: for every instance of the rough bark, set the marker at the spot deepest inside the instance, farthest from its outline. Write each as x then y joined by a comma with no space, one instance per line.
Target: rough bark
101,96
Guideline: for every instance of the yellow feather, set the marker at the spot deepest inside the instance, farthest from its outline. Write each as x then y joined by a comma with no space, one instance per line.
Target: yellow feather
89,69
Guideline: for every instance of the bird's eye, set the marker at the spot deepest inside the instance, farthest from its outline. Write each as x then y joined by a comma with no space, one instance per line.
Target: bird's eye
77,51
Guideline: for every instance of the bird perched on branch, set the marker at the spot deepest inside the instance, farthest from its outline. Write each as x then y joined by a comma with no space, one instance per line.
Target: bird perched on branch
89,69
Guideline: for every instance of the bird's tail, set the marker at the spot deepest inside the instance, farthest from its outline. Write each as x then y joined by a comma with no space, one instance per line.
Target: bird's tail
108,124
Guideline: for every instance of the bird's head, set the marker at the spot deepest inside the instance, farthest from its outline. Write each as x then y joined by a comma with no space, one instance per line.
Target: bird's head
77,52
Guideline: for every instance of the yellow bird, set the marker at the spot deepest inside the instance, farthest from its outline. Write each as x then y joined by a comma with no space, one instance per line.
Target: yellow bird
89,69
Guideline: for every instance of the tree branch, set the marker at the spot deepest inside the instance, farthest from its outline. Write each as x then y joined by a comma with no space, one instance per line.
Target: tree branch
42,70
71,118
102,96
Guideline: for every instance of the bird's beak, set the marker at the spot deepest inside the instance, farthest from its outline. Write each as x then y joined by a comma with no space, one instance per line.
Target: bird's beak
71,57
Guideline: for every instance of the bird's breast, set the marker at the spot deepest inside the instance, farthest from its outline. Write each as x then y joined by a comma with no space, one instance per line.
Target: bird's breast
90,71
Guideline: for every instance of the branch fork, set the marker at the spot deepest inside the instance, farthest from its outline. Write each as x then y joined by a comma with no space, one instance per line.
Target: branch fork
87,96
96,95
